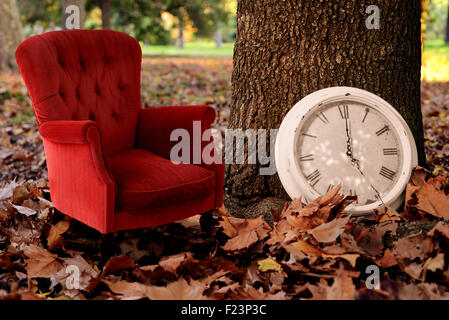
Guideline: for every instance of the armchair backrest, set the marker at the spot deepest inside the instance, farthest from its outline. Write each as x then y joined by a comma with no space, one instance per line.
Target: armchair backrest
85,75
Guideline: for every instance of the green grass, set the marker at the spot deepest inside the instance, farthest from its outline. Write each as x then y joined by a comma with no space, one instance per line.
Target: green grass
436,46
191,50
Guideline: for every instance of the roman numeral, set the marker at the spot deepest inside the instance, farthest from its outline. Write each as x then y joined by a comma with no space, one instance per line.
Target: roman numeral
383,130
366,114
323,118
308,157
330,187
314,177
344,112
390,152
387,173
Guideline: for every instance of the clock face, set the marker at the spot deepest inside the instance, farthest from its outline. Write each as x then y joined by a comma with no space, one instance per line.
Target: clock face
349,144
349,137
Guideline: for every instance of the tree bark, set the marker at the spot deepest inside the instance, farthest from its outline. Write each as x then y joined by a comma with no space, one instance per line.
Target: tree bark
218,35
288,49
106,14
181,32
67,18
446,38
11,34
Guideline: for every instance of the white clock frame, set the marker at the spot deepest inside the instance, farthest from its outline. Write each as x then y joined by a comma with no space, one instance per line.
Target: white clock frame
293,180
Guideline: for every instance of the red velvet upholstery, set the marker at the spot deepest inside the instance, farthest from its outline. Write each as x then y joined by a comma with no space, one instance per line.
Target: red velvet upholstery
158,181
108,159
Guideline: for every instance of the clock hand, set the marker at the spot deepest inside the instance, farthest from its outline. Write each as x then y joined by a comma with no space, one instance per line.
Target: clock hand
357,164
349,152
348,141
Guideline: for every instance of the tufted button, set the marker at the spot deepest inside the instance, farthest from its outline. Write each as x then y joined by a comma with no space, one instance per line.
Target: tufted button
91,117
61,94
106,58
97,89
115,116
121,87
82,63
60,63
77,94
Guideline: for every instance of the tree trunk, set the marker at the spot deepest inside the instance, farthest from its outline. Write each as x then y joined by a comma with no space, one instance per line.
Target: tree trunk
11,34
218,35
73,19
181,32
446,38
106,14
286,50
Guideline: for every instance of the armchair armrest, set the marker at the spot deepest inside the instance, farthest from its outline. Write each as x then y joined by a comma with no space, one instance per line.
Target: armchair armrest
75,132
80,184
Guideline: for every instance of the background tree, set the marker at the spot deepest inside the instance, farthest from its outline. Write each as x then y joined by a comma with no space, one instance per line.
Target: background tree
139,18
11,33
446,38
310,45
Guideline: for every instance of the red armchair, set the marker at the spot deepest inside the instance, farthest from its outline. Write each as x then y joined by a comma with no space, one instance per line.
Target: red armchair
107,158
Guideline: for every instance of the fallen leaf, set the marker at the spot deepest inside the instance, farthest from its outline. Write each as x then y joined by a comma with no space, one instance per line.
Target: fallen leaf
269,264
350,257
55,238
41,263
190,222
330,231
24,210
7,191
440,228
243,232
413,247
434,264
178,290
343,287
171,263
433,201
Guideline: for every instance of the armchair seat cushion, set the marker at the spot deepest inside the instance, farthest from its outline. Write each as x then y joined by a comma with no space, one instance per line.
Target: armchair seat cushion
145,180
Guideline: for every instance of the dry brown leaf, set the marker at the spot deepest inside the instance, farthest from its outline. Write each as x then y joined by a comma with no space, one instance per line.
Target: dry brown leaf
178,290
350,257
20,193
171,263
243,232
434,264
386,214
223,211
414,270
250,293
440,228
118,263
388,260
433,201
329,197
305,247
24,210
190,222
422,291
417,246
7,191
41,263
330,231
343,287
55,238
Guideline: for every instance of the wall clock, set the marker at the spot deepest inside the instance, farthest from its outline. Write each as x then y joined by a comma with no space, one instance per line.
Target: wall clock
346,136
